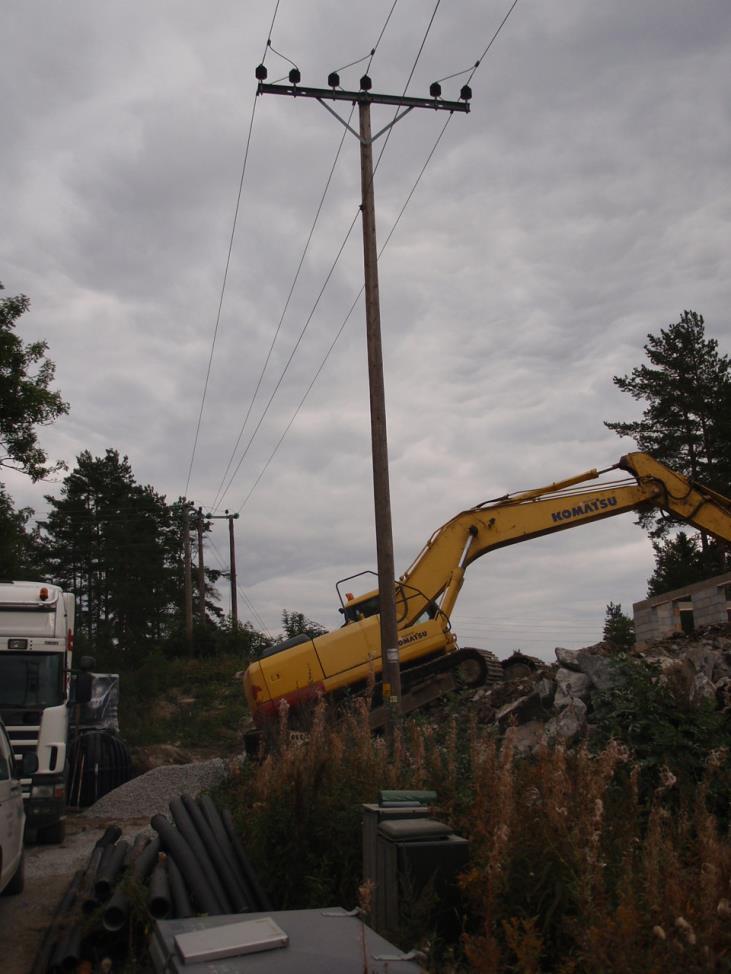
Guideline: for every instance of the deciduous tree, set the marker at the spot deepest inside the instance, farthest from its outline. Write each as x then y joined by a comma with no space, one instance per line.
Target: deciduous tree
26,399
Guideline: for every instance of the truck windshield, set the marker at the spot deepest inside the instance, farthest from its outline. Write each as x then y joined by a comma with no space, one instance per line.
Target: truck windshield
31,680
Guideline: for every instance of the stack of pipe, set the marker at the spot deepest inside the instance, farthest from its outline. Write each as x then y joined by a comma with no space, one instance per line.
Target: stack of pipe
204,849
99,762
195,864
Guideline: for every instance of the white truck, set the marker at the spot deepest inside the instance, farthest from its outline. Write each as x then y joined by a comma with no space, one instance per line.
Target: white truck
36,642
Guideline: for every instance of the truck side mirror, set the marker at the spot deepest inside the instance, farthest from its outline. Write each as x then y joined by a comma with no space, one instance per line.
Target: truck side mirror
84,681
27,765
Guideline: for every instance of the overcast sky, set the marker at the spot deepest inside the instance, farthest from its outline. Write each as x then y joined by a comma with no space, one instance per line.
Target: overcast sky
582,203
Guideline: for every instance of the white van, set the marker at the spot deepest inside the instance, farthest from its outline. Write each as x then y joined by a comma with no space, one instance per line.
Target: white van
12,818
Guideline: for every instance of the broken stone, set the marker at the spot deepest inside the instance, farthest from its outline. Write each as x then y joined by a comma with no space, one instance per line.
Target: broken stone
521,710
702,690
722,669
723,693
569,658
569,724
703,658
599,669
525,738
546,689
570,686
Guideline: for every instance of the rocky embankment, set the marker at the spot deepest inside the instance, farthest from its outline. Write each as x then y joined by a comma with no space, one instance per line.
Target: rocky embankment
556,701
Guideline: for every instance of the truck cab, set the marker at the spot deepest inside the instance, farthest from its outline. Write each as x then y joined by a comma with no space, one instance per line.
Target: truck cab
36,640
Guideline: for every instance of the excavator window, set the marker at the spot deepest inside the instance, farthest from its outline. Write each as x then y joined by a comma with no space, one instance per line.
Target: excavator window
361,610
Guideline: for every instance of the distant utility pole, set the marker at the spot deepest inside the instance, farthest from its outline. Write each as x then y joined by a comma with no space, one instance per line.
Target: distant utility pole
201,570
187,580
379,443
232,561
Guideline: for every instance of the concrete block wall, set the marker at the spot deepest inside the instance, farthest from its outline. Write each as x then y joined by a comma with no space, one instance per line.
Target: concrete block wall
709,606
658,617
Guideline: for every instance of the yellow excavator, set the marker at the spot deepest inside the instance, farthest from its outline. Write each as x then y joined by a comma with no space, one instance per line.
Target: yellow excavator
343,661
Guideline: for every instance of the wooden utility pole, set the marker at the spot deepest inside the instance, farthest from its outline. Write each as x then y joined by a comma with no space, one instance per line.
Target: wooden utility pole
391,672
201,570
187,580
379,439
232,561
232,570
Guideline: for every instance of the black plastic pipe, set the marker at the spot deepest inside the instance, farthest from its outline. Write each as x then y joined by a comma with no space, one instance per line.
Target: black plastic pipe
215,822
43,957
107,877
67,955
262,901
99,855
116,912
159,902
176,846
141,841
142,865
182,908
235,894
190,834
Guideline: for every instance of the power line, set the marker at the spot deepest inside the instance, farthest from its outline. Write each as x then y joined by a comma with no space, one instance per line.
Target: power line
218,500
228,263
345,320
220,497
241,592
360,292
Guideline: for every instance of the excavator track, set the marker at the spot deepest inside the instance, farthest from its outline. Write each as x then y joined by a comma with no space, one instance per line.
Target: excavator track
421,685
488,670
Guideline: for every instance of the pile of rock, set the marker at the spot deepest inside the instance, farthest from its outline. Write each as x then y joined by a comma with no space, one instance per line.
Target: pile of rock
554,701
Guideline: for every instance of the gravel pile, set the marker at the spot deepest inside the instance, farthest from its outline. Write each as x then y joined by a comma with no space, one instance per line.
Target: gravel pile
150,793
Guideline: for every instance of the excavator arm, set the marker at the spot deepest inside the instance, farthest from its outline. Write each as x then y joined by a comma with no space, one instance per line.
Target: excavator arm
436,575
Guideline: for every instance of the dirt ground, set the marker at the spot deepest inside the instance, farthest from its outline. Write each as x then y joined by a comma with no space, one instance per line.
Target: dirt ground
48,872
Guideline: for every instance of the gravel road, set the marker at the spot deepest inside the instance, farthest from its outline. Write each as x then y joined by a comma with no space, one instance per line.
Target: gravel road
49,869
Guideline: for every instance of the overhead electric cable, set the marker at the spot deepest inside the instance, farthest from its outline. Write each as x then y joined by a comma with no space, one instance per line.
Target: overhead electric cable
218,500
289,360
225,273
219,497
240,591
360,292
492,40
347,317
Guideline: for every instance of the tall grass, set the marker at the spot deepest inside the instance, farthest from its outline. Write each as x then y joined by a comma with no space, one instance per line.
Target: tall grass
573,867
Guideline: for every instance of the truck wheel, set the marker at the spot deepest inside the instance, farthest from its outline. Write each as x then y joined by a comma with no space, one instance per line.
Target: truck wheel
53,834
17,883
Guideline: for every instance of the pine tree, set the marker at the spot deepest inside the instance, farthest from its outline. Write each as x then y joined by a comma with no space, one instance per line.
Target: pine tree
296,623
619,629
681,561
19,548
687,388
117,545
686,424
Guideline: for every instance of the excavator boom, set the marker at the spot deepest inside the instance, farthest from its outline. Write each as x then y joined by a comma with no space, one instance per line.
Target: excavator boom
438,570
